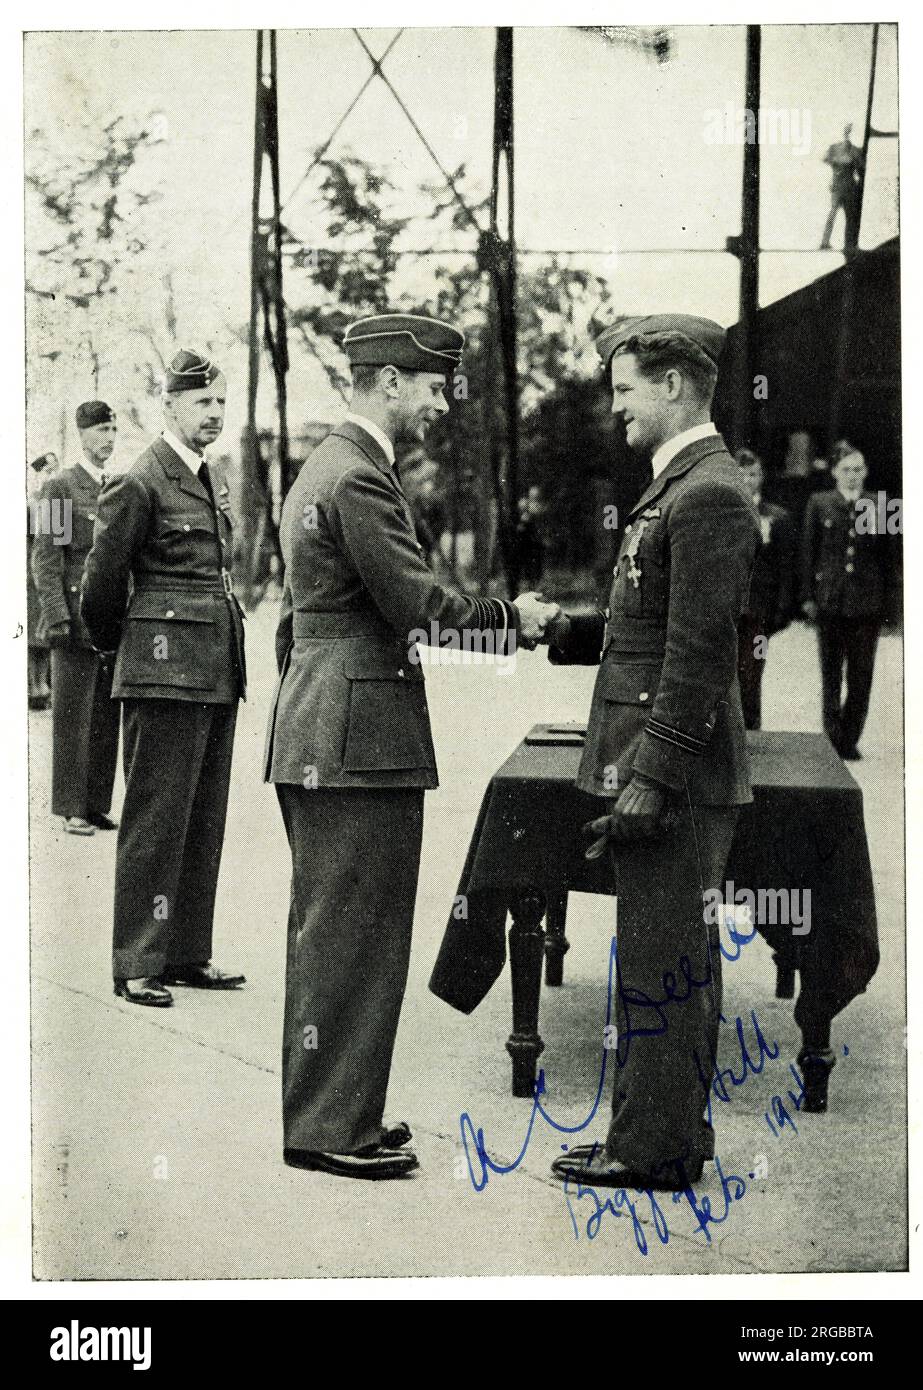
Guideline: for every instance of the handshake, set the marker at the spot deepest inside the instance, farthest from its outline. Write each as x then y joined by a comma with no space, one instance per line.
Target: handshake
538,621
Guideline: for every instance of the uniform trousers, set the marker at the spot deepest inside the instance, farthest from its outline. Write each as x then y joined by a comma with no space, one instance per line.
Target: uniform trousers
846,645
84,733
355,864
177,759
750,667
668,989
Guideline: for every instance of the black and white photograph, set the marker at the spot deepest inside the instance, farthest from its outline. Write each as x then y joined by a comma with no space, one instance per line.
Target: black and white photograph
460,631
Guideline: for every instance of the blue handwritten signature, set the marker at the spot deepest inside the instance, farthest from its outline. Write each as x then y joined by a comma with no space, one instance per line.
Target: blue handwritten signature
649,1019
656,1022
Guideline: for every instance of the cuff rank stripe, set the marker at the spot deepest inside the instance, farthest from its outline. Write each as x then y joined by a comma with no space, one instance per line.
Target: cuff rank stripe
688,742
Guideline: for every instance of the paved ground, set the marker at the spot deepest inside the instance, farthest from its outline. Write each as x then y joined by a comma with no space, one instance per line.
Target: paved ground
157,1135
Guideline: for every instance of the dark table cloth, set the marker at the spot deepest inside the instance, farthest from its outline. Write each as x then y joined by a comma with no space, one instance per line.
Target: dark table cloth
804,830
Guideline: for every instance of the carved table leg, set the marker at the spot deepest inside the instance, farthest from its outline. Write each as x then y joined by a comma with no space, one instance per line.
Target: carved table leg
786,961
526,947
556,943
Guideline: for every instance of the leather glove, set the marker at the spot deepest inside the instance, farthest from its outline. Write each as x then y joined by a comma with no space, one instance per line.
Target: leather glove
638,815
59,634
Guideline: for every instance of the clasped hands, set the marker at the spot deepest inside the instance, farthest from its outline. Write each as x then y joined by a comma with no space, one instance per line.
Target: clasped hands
537,619
639,813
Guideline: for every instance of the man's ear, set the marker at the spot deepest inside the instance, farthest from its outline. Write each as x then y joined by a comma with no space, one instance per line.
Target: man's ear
389,379
673,381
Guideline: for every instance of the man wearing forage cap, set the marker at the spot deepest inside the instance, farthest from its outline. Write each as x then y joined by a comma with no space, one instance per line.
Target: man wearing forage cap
158,594
349,745
665,743
85,719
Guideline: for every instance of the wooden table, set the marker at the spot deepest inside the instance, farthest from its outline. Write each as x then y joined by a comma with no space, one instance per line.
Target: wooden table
805,829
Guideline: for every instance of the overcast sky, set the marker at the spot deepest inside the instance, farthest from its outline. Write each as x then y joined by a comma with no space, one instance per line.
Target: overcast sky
615,153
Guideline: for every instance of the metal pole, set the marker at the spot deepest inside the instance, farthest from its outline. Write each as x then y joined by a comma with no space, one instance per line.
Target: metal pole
848,297
750,243
250,489
505,281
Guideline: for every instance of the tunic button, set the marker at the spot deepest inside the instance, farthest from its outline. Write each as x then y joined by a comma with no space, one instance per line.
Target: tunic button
91,516
849,569
185,525
628,527
401,671
170,613
643,696
850,550
73,588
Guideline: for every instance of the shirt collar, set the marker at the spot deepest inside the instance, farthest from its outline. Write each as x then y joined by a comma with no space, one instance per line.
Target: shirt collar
95,473
379,436
668,451
191,459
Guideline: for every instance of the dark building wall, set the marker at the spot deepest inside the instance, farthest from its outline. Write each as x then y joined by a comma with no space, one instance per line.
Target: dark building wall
799,351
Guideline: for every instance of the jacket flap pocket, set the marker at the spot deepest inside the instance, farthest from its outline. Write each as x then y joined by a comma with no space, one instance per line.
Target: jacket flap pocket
625,684
167,607
381,664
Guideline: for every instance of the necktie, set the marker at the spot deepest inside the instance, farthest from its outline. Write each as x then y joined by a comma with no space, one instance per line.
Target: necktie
102,480
206,481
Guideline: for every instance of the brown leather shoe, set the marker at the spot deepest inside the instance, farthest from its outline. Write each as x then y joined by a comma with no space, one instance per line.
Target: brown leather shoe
372,1163
148,991
205,976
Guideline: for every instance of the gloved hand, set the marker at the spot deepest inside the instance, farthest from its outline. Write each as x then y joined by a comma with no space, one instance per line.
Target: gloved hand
638,815
59,634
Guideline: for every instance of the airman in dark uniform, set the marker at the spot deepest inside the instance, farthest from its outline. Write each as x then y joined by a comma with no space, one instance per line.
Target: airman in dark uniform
157,594
844,583
772,589
38,649
666,744
85,719
349,744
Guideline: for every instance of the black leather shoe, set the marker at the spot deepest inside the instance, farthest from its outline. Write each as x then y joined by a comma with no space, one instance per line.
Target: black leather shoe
592,1166
205,976
102,822
76,825
815,1070
372,1163
395,1136
150,991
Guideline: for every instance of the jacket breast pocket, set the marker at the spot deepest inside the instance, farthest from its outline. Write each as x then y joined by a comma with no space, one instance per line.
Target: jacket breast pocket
646,574
388,723
170,640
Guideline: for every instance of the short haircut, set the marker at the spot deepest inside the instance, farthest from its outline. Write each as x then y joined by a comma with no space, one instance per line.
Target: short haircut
658,353
364,375
748,457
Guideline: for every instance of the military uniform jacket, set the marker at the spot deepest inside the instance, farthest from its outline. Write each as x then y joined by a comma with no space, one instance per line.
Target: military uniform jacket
157,584
68,499
350,706
667,700
772,587
843,570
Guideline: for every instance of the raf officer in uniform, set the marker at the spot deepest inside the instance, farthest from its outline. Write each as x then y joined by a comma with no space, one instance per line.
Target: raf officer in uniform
844,587
85,719
157,593
349,745
772,587
666,740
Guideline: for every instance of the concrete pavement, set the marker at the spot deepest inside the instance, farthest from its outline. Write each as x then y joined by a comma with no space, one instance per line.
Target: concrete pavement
157,1134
